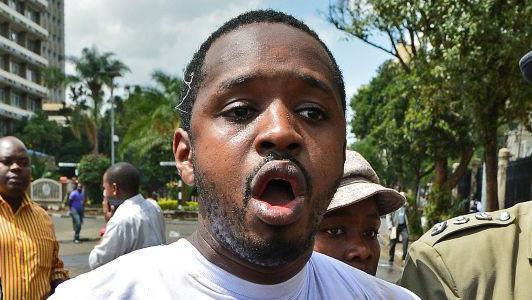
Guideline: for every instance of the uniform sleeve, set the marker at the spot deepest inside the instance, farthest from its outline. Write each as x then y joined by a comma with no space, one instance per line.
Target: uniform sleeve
426,274
116,241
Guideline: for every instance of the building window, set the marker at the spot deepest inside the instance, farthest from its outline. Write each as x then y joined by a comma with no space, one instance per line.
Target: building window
16,100
32,105
14,36
12,4
15,68
2,96
31,75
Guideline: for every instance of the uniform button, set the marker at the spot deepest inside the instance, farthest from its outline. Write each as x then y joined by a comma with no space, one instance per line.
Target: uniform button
438,228
483,216
461,220
504,216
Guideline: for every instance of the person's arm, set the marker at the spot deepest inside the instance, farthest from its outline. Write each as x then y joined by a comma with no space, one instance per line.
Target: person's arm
389,221
59,274
116,241
426,274
69,201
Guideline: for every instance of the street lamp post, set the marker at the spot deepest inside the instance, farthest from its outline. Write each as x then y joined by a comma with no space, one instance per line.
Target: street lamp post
112,76
112,124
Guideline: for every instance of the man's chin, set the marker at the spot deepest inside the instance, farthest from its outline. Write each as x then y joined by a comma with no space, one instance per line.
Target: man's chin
277,248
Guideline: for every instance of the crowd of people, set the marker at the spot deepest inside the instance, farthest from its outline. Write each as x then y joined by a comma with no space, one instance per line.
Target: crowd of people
287,213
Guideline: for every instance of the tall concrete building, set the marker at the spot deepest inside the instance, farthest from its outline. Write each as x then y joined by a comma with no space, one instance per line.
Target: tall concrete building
31,38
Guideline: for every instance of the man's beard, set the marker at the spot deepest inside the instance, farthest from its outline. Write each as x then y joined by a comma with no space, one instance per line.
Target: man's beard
227,224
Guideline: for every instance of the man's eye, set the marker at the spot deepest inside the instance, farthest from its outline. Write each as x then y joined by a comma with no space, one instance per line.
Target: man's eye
373,234
239,112
23,163
312,113
335,231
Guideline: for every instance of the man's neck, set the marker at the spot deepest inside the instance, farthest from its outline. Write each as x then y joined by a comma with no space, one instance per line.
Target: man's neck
14,201
211,249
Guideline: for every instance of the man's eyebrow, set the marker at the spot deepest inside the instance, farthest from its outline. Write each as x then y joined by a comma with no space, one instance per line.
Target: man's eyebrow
247,78
239,80
316,83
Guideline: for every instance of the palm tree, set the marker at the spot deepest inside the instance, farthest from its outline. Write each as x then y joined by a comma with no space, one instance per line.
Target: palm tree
151,116
94,71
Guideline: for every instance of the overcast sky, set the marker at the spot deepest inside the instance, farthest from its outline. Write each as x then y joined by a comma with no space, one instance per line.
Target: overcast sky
163,34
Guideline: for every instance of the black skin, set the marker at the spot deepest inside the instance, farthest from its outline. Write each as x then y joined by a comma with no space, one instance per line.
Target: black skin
15,176
268,88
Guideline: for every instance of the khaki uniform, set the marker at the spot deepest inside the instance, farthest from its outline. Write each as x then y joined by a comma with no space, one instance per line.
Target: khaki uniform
474,257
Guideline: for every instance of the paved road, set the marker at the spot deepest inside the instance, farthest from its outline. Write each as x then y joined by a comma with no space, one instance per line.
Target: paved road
76,256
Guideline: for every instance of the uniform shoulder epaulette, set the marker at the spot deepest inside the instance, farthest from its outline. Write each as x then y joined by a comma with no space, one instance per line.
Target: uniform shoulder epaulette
465,222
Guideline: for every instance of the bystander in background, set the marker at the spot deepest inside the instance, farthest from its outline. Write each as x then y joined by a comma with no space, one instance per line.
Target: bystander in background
398,228
133,222
76,202
30,267
349,230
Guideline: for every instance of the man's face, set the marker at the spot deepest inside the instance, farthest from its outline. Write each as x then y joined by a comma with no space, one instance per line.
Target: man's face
350,233
14,168
268,134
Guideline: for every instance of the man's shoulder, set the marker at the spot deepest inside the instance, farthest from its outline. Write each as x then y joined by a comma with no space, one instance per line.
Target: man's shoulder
130,275
355,281
475,227
37,210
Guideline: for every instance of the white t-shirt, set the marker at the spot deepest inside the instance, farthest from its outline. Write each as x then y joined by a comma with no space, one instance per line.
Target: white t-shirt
179,271
136,224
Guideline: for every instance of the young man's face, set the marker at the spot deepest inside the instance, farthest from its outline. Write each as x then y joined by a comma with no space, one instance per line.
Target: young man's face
268,134
350,233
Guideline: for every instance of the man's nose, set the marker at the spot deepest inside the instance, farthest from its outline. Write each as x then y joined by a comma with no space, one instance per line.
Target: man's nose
278,131
357,250
15,166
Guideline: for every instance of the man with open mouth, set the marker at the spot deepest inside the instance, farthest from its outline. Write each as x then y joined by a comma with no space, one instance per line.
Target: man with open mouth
263,140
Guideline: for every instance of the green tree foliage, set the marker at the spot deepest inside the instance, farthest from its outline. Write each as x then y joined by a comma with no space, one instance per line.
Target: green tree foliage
148,120
150,116
40,134
94,71
91,169
462,57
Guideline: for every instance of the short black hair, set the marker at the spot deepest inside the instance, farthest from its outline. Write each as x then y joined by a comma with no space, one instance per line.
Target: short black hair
125,175
194,75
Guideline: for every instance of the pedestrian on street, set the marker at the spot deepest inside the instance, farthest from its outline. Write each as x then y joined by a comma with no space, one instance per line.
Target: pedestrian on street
76,202
132,222
398,228
30,267
350,227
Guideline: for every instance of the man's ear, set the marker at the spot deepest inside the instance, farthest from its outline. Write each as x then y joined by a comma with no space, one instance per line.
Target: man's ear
115,189
183,156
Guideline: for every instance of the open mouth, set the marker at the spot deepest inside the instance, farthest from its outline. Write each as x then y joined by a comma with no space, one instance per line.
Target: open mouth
278,192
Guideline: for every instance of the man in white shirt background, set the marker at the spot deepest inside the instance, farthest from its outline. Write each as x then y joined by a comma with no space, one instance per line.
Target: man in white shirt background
132,222
263,141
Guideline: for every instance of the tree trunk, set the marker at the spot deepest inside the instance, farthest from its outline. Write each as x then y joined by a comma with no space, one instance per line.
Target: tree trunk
460,171
96,149
440,172
491,170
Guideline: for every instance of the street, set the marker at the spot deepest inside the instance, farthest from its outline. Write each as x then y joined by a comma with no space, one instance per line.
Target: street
76,256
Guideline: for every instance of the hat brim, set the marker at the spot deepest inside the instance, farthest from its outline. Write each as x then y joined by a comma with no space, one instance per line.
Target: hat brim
388,200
